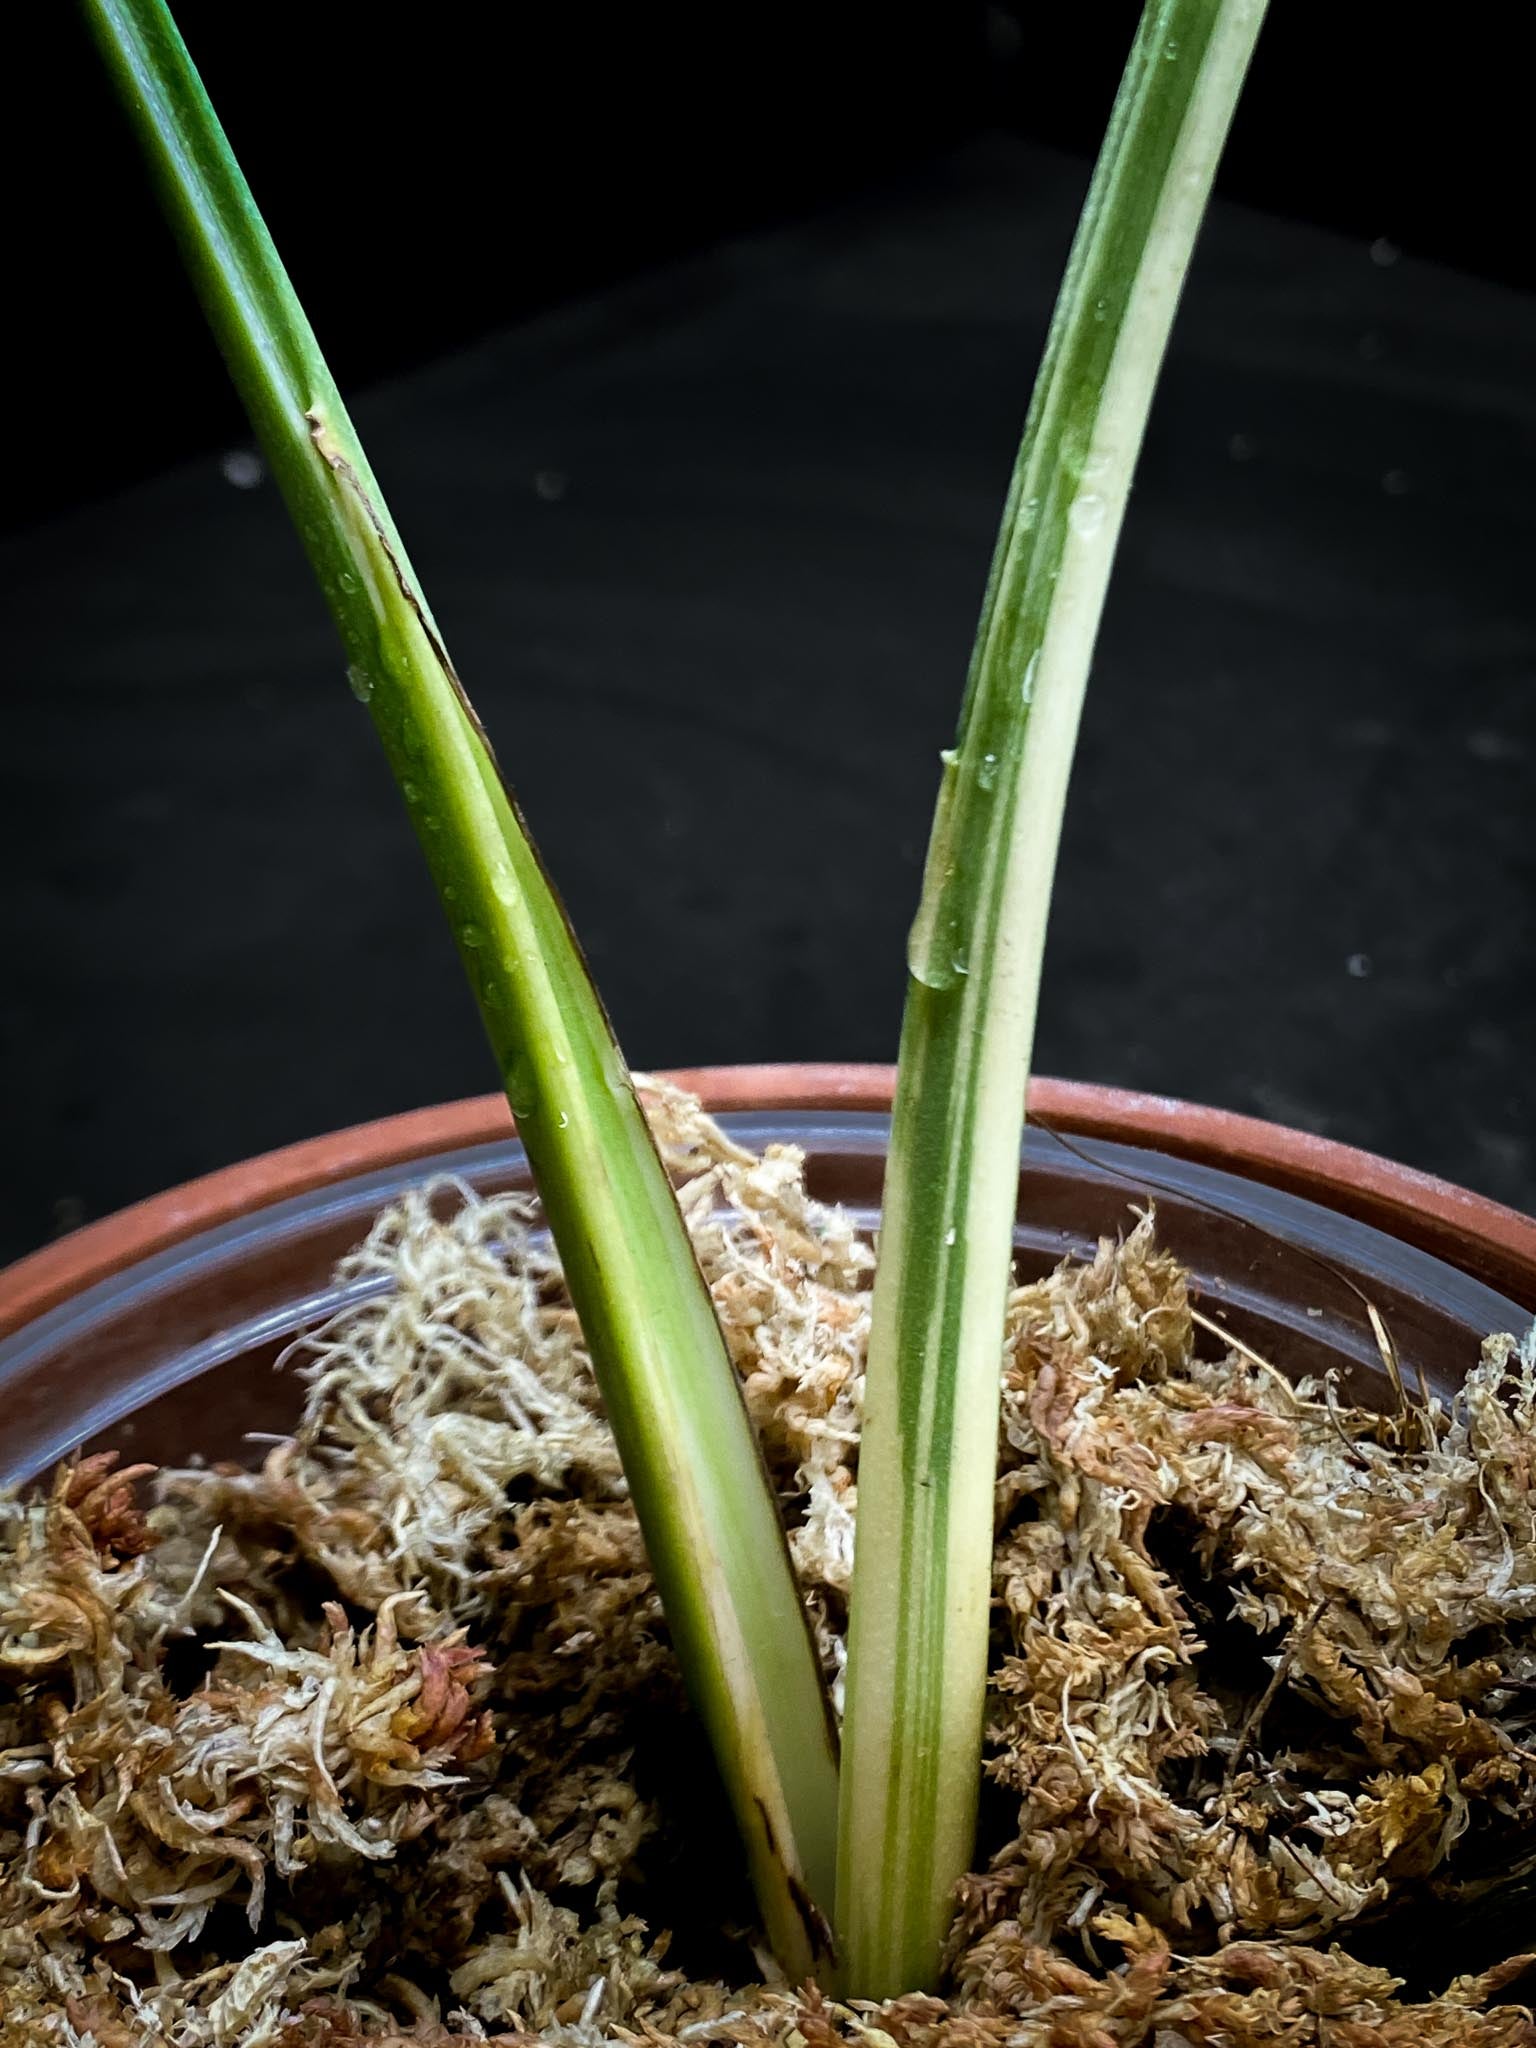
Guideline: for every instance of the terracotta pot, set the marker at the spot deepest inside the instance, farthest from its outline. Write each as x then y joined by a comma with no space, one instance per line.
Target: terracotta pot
152,1324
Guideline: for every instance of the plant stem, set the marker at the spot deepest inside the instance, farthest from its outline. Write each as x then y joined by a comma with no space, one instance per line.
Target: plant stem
709,1515
922,1573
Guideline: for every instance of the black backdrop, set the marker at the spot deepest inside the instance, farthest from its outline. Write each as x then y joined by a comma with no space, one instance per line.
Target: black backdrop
432,180
691,351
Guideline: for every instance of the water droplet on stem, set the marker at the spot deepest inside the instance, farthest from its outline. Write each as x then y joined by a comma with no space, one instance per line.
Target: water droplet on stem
522,1087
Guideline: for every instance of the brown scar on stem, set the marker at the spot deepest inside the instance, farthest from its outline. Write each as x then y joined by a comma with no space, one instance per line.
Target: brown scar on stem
818,1929
329,451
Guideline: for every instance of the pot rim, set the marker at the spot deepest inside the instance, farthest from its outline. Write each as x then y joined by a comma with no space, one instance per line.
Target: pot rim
1484,1238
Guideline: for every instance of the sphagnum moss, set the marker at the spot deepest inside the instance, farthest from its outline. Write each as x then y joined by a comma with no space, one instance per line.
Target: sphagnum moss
855,1849
370,1745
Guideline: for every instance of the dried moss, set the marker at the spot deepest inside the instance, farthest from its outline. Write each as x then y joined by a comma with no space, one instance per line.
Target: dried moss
384,1743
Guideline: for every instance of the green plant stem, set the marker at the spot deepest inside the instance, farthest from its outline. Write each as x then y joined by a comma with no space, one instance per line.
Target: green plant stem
922,1573
705,1503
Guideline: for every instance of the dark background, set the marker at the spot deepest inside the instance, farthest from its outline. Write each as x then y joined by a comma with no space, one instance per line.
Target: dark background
692,352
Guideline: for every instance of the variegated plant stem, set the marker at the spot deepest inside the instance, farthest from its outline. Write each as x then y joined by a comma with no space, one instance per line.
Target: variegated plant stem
710,1519
919,1625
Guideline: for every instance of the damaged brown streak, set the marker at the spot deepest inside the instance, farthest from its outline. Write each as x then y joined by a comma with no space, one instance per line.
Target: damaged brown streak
818,1932
331,455
1263,1681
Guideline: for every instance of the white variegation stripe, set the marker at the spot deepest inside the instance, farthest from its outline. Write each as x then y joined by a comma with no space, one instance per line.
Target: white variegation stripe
918,1635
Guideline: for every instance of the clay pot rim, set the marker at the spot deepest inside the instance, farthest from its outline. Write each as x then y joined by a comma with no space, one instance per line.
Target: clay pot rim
1482,1237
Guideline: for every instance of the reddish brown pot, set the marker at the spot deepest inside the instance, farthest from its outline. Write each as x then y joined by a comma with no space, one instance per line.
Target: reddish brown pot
115,1324
1483,1238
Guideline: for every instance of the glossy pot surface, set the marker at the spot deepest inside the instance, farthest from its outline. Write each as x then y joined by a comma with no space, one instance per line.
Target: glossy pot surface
156,1331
